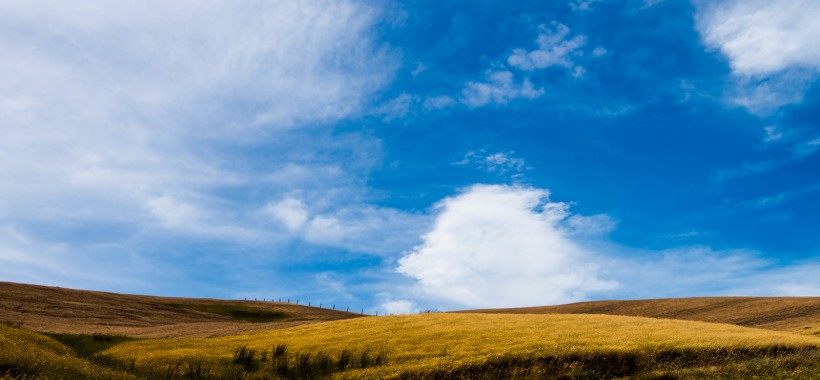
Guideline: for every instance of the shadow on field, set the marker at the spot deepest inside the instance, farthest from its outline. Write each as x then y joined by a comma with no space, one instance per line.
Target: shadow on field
773,362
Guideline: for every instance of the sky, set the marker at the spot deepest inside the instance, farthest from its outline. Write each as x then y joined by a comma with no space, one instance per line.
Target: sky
401,156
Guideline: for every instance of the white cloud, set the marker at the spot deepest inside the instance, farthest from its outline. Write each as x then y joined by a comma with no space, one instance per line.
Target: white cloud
555,48
702,271
763,36
360,228
107,105
395,108
763,94
177,119
592,225
290,211
367,229
500,85
398,307
771,40
772,133
582,5
500,246
499,88
499,162
438,102
599,51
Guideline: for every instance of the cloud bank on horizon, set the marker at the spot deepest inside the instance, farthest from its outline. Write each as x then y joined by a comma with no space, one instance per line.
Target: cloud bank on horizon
401,157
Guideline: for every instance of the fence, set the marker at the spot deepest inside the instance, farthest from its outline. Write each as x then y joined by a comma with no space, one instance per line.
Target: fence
310,304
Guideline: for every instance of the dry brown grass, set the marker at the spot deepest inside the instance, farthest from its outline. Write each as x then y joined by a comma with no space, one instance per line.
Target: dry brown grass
793,314
52,309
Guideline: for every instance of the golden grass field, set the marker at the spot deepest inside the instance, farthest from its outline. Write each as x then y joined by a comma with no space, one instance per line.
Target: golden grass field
795,314
30,355
422,346
436,345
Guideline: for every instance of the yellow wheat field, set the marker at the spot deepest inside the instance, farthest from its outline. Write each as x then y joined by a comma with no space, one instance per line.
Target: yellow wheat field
30,355
421,343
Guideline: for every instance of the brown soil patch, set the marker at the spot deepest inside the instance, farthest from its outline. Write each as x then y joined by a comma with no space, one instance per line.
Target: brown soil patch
795,314
52,309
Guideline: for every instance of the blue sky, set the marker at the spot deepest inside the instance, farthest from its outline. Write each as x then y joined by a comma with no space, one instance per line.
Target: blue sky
403,156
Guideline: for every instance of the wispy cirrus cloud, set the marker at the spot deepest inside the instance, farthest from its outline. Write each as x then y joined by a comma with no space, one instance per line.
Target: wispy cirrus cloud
355,227
148,118
501,163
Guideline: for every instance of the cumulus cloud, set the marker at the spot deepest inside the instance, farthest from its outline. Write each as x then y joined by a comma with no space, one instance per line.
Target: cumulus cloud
504,246
495,245
763,36
771,46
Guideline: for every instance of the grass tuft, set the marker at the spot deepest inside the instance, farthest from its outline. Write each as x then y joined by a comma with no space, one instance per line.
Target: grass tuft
245,356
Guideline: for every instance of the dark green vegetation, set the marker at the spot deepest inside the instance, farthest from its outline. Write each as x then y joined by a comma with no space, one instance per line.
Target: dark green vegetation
770,363
280,362
245,313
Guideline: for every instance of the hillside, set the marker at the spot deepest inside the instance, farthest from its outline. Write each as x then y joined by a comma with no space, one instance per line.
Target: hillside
263,340
795,314
52,309
485,346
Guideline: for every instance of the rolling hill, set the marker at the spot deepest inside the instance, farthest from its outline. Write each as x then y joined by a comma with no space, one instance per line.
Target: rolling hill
794,314
99,335
52,309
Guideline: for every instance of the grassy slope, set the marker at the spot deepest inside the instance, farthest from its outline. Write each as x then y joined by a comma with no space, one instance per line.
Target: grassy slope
794,314
61,310
453,345
421,346
30,355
